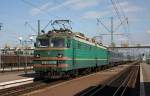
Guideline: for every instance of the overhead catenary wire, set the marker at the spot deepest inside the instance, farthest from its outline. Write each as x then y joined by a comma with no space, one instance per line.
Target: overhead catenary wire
124,15
99,21
125,21
121,24
47,12
116,10
47,24
115,6
121,9
29,25
35,6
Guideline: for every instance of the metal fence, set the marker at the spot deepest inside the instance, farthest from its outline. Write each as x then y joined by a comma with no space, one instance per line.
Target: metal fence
11,61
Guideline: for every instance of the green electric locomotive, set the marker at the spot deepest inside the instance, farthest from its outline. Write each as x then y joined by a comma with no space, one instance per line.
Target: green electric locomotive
64,53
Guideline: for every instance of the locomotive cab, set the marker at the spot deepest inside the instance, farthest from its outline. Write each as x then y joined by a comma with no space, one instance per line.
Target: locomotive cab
53,43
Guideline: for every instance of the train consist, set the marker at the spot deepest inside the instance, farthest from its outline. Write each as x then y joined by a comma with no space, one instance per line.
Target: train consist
62,52
146,58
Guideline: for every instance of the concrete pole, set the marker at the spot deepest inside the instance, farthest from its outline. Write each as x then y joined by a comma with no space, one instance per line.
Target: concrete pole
112,31
26,58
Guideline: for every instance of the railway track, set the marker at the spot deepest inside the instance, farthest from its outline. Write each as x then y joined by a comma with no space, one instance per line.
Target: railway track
38,84
118,86
15,91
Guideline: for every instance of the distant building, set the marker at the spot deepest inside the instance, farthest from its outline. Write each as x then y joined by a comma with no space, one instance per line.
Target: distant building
17,51
124,44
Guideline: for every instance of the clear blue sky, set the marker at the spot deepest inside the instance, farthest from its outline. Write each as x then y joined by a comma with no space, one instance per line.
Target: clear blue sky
83,13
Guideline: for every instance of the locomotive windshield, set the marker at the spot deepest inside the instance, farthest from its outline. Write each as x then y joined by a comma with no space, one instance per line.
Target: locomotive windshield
54,42
43,42
57,42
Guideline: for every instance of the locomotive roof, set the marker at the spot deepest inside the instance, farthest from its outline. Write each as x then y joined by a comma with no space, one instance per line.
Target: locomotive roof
68,33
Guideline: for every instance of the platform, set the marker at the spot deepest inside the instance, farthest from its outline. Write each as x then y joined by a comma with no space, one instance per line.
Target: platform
145,79
11,79
10,76
15,69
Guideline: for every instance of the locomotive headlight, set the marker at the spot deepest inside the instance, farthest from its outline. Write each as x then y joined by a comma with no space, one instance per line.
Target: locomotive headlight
37,55
59,55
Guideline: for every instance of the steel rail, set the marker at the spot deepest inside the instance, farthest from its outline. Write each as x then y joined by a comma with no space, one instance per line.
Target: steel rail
123,83
129,80
134,74
20,89
28,88
97,89
107,83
